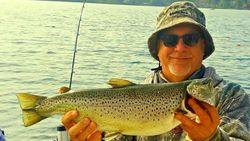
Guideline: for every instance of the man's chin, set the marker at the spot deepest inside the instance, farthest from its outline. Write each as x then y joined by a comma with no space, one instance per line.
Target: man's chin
179,70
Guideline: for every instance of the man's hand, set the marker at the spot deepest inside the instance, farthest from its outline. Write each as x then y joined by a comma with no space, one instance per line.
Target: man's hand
206,127
84,130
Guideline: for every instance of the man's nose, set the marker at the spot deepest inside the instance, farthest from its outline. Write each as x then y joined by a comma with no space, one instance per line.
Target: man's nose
180,46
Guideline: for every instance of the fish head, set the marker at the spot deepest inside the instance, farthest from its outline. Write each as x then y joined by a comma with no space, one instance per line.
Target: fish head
203,90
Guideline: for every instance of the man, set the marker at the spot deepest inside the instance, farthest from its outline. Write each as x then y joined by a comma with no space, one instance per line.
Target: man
180,44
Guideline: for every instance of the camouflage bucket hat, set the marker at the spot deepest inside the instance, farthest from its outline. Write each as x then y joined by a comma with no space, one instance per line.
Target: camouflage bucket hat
178,13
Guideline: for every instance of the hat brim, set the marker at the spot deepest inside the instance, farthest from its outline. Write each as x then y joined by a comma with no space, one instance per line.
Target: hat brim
153,41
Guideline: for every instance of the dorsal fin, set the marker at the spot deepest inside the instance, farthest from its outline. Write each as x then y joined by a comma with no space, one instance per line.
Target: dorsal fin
119,83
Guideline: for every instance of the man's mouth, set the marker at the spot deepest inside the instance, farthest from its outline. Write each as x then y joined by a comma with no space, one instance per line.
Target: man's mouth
180,58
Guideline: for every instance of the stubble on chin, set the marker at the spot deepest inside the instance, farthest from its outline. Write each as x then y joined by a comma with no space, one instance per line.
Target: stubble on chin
179,69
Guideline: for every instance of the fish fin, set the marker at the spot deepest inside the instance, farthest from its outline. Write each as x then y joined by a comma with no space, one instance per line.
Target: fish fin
119,83
111,135
31,117
27,103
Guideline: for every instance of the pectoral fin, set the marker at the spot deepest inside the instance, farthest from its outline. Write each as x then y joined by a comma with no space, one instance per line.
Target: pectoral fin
119,83
111,135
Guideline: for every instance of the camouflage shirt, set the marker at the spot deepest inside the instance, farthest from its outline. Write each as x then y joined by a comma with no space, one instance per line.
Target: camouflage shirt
233,107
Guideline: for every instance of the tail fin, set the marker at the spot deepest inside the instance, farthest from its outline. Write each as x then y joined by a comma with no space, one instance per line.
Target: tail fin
27,103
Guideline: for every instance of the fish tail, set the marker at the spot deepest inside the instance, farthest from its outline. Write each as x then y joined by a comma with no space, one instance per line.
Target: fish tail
27,103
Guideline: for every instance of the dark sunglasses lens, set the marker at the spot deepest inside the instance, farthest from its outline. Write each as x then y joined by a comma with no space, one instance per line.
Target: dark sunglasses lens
170,40
191,39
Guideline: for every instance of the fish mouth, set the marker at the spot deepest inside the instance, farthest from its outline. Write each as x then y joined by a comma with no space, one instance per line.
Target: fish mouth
185,109
181,111
188,96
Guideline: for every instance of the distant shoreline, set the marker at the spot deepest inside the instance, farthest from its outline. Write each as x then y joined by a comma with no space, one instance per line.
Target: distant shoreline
142,4
101,2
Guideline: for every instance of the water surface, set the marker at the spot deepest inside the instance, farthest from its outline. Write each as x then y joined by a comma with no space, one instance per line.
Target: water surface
37,41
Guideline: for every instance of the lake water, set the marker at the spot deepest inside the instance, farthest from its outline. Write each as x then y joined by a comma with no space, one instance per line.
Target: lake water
37,41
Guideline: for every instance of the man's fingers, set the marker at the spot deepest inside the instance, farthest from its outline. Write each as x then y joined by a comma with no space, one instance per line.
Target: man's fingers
79,128
199,111
185,128
88,131
96,136
213,112
68,119
185,120
208,120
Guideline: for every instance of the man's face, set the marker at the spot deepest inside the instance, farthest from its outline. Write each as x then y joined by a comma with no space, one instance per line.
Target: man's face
182,58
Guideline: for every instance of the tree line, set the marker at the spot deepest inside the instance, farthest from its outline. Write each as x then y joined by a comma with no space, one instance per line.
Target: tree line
237,4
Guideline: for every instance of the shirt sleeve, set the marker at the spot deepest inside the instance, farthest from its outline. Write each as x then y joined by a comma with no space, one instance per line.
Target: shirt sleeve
234,110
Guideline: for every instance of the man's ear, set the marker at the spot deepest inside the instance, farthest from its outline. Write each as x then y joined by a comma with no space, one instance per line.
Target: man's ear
203,43
158,46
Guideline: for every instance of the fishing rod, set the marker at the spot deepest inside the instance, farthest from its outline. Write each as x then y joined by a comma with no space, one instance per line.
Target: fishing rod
76,43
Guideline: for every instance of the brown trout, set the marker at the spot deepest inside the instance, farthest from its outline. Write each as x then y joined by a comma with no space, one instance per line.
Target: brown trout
127,108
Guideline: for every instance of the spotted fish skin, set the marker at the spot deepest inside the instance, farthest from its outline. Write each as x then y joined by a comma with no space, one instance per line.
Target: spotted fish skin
145,109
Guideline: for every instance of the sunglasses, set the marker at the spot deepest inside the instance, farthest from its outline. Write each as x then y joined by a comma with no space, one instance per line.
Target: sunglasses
171,40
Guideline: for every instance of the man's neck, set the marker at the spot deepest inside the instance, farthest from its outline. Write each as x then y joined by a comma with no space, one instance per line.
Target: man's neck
173,78
194,75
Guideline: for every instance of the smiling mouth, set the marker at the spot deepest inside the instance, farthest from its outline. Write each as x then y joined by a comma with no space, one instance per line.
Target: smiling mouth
180,58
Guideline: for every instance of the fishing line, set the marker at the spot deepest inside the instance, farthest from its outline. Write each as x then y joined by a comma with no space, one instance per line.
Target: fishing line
76,43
